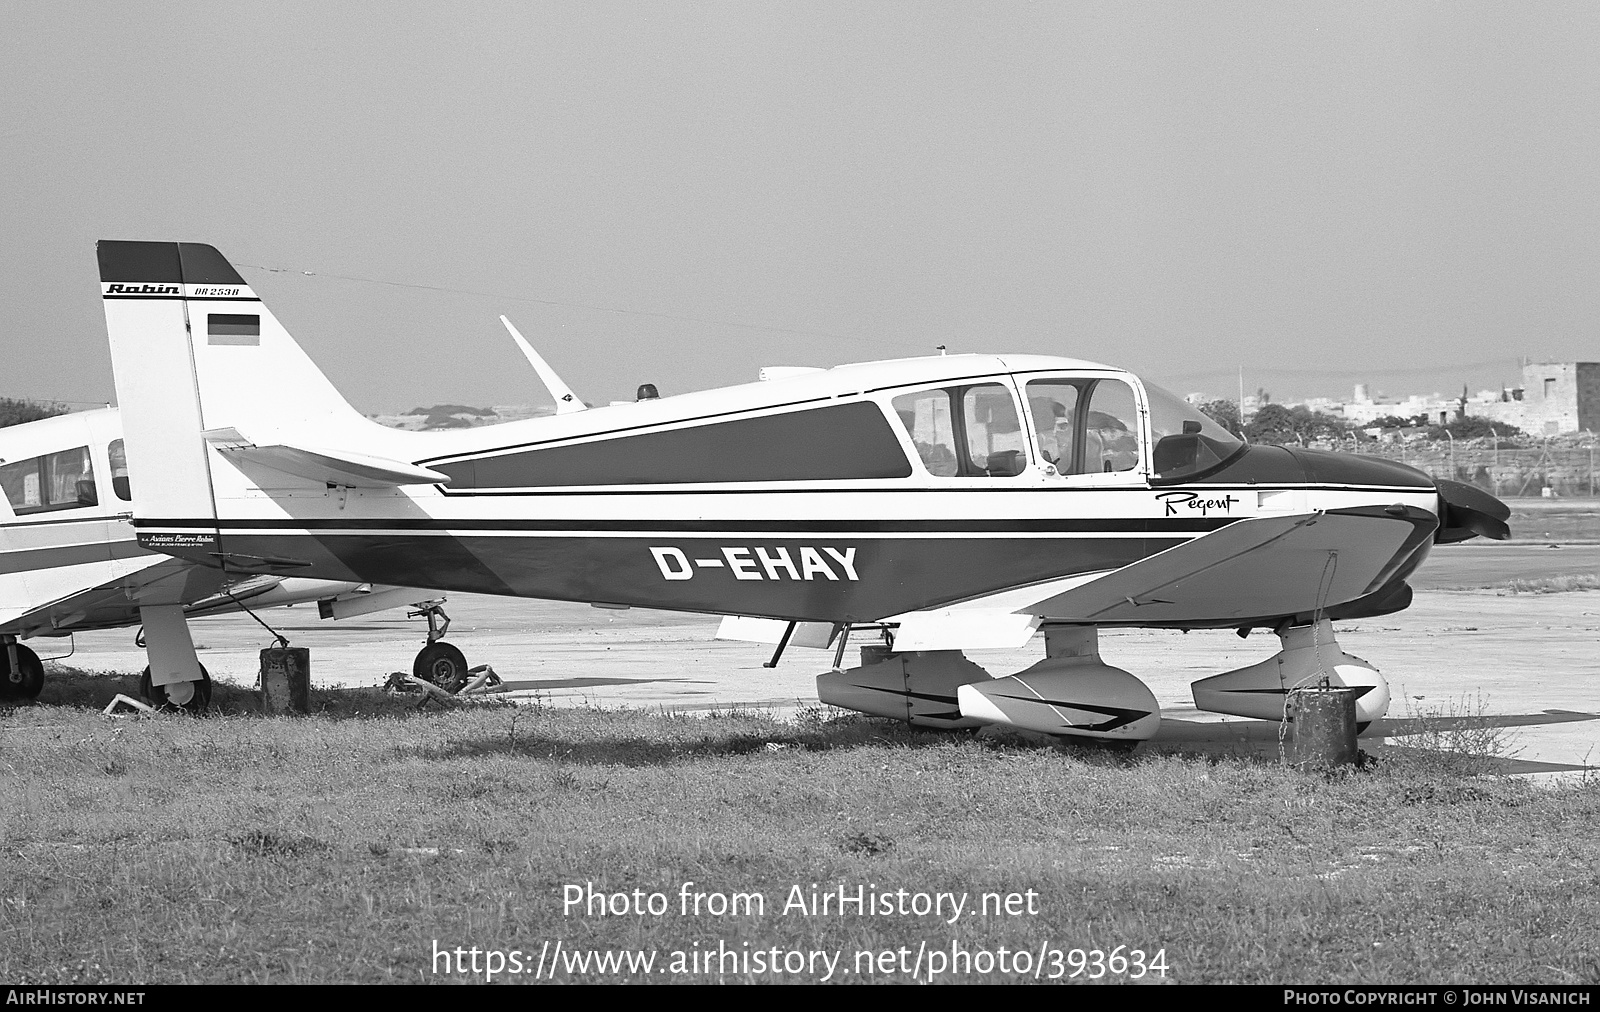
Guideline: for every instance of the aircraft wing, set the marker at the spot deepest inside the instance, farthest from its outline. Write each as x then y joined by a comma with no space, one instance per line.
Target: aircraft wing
1256,568
202,590
116,602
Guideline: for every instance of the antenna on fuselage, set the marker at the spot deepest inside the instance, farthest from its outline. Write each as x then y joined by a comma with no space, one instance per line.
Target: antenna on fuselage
566,400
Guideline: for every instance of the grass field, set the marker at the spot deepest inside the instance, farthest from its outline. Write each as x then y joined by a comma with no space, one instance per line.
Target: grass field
348,845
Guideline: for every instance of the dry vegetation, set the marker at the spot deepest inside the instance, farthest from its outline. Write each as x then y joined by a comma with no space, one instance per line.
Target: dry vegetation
339,847
1554,584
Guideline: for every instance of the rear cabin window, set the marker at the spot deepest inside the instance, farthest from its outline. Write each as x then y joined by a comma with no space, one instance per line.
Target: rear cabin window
931,425
836,443
969,432
55,481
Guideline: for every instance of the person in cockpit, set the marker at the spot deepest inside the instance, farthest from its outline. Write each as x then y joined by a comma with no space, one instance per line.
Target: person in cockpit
1108,444
1053,427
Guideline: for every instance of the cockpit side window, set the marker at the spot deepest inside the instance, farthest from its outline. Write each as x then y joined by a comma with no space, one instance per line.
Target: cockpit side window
1054,406
119,470
1110,430
55,481
969,432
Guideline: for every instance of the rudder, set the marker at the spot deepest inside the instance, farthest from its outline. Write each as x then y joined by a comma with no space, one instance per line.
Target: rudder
142,287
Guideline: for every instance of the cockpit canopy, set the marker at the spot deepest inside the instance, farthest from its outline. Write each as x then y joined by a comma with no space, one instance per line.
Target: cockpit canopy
1084,424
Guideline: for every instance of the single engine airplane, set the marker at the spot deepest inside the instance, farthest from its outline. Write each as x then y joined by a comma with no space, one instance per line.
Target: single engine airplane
69,562
949,503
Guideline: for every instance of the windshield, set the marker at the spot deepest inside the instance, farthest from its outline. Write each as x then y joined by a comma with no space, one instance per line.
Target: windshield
1186,441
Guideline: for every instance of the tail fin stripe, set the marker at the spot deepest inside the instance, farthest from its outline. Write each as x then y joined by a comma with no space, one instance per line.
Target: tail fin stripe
146,262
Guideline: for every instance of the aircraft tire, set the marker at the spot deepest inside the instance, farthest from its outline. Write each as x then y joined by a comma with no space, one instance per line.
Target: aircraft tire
443,665
156,695
32,680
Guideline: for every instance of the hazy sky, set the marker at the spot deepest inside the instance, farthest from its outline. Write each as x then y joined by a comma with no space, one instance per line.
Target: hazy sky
683,192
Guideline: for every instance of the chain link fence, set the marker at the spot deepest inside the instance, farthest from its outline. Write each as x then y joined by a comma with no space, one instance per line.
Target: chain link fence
1509,469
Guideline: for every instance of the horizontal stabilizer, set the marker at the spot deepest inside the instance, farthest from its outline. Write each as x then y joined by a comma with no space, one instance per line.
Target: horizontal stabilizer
367,599
818,635
229,597
335,467
964,629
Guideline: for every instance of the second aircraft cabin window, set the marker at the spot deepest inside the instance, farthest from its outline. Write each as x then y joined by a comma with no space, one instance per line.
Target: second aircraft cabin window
965,431
119,470
55,481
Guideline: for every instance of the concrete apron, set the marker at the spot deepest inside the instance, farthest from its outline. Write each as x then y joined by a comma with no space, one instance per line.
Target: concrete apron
1530,663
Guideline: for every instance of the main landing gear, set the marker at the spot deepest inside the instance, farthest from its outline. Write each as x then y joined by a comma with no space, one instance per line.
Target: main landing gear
192,696
22,676
175,677
1309,653
1074,694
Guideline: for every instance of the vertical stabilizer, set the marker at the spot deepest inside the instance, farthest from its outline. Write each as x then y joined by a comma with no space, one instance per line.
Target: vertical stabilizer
194,351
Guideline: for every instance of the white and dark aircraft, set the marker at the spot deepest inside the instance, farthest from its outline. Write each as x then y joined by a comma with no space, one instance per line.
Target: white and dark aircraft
946,503
69,562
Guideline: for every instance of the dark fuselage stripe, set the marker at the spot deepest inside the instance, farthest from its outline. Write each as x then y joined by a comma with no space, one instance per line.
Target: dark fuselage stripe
789,576
30,559
57,524
597,490
1156,527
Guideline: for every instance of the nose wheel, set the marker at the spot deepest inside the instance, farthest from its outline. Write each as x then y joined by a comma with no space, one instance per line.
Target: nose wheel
439,663
443,665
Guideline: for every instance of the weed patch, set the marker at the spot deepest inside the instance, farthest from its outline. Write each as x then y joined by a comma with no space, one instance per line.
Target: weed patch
1457,738
1554,584
866,844
263,843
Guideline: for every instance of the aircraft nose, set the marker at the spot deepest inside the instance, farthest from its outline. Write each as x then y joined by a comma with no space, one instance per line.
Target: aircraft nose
1464,511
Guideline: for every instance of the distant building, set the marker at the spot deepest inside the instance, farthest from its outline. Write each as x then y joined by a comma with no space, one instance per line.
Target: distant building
1364,409
1555,397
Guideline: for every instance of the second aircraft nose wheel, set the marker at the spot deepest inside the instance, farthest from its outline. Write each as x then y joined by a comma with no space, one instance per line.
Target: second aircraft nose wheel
442,664
22,679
